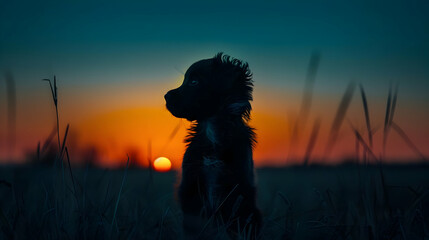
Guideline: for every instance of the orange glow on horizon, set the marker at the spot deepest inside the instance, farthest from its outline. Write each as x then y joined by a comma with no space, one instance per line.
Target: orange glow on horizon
138,129
162,164
152,131
107,125
107,135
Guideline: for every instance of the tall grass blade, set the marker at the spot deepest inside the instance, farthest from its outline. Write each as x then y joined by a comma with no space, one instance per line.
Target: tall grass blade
217,210
38,152
55,99
150,167
172,135
149,154
285,200
11,113
384,186
49,140
71,176
52,90
366,147
357,149
312,141
64,141
367,118
313,66
6,227
162,223
307,97
388,104
119,195
386,120
393,107
60,150
339,118
407,140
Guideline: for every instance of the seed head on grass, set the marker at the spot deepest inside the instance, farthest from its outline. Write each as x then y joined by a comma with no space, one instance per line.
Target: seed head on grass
54,92
55,99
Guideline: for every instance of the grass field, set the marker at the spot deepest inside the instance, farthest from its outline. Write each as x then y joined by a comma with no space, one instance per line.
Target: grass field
315,202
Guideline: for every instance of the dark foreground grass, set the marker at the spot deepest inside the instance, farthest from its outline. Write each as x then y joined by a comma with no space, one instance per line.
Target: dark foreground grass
344,202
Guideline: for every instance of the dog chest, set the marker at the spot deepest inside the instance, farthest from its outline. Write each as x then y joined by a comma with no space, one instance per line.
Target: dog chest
212,168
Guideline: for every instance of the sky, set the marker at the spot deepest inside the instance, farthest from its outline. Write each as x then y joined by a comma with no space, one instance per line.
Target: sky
115,61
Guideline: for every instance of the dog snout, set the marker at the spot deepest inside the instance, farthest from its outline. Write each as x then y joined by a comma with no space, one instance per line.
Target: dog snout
167,96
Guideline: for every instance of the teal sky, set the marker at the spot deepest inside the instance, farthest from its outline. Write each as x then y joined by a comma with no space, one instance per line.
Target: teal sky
96,47
99,43
368,40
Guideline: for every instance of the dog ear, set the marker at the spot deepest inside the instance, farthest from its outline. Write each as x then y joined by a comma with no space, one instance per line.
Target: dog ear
240,108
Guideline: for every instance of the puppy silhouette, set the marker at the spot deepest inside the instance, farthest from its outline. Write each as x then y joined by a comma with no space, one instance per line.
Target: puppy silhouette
217,186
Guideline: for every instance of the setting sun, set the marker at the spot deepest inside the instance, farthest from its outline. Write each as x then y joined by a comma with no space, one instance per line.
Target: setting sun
162,164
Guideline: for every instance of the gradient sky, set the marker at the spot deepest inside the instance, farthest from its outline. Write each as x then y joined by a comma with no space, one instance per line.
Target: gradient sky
115,61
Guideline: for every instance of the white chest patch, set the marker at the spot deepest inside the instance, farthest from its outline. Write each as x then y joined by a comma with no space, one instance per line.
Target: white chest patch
210,162
210,132
212,166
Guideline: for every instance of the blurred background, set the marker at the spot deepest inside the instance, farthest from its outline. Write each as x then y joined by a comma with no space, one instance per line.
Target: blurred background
115,61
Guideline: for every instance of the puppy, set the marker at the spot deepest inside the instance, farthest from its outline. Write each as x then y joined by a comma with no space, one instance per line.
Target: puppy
217,186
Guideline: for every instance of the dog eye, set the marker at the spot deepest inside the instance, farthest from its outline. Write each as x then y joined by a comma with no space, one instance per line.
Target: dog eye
193,82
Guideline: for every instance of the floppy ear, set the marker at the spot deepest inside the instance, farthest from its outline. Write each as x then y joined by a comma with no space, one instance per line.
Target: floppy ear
240,108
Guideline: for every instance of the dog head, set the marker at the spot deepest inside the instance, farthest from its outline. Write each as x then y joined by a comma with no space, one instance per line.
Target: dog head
219,85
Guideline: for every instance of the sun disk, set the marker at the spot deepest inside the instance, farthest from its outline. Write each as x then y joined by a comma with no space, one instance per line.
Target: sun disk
162,164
